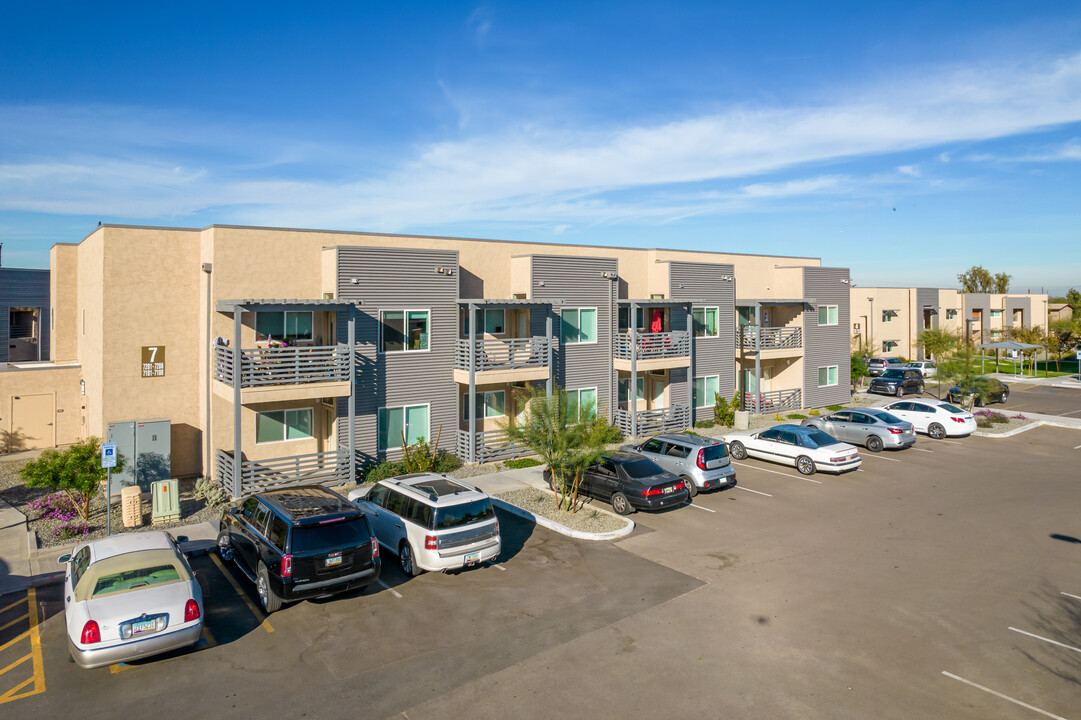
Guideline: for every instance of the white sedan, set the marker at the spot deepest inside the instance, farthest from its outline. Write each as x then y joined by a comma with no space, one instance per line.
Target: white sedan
128,597
936,418
807,448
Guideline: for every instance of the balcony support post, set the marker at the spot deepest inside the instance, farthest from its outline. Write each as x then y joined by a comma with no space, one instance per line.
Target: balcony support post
690,370
757,358
547,334
632,393
470,397
238,371
351,339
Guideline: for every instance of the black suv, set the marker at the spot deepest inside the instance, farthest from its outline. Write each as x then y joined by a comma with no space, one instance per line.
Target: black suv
898,381
298,543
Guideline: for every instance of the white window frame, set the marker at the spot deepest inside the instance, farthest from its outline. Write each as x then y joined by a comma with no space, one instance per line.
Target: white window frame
405,322
830,310
578,393
482,396
830,369
996,314
705,309
427,435
285,425
705,388
596,327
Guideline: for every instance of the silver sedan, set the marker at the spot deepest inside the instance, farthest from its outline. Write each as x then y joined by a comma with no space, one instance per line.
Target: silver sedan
873,428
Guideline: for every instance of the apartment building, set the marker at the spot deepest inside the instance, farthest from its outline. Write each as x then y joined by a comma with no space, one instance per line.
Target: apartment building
24,304
891,319
284,355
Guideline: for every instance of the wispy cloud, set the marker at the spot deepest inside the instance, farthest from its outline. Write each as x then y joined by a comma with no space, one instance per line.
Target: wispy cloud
1064,152
143,165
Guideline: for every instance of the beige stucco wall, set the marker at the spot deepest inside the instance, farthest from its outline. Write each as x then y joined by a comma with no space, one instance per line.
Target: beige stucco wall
61,381
63,298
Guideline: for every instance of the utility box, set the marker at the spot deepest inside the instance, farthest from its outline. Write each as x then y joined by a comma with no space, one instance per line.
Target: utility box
131,506
166,501
147,450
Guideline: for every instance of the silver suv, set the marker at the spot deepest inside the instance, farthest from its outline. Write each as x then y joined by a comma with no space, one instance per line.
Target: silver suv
702,461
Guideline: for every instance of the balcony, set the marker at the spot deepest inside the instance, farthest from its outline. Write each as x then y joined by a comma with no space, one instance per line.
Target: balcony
283,374
490,446
655,351
501,361
651,422
771,401
255,476
783,339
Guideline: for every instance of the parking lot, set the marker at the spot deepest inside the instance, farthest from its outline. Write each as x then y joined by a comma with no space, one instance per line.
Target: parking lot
939,581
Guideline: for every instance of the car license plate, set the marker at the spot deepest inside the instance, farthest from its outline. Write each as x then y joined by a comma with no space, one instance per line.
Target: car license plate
472,558
142,626
334,560
670,489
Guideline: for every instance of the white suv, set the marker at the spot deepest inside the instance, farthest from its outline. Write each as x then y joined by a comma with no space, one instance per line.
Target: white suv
432,522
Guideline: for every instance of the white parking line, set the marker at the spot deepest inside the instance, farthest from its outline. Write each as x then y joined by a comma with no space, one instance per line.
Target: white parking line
876,455
393,592
691,504
1047,640
787,475
740,487
1078,447
1075,597
497,566
1071,412
1004,697
922,450
951,442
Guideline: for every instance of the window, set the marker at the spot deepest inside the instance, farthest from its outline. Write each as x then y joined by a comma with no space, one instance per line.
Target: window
259,523
404,330
827,376
705,388
581,404
745,315
996,313
888,345
279,425
377,495
625,389
278,532
705,321
827,314
493,321
888,315
625,319
80,561
489,404
411,420
287,325
951,314
654,446
579,325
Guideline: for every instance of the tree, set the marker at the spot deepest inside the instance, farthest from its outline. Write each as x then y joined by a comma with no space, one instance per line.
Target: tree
1073,297
979,280
554,430
959,368
1062,336
1002,283
935,343
77,472
859,370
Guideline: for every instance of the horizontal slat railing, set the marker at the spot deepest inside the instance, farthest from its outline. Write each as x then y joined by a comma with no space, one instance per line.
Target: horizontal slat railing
491,445
773,401
326,467
651,422
283,366
772,338
530,352
654,345
224,475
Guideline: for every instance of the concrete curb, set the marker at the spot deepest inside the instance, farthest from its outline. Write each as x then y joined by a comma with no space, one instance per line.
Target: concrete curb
1024,428
563,529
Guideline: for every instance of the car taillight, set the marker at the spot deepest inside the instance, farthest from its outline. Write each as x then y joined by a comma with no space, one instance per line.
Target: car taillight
430,542
375,549
91,634
656,491
896,431
191,610
957,419
287,566
702,459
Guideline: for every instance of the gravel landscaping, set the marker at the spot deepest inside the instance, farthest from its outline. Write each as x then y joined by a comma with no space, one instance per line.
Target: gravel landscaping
587,519
1014,421
13,492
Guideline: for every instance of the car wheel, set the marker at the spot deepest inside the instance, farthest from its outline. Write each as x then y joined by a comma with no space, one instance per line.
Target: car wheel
1005,394
406,559
936,431
737,451
920,389
874,443
621,504
805,465
691,487
225,548
979,401
900,391
269,600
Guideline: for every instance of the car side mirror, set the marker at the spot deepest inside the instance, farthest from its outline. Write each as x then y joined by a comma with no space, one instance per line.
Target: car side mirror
181,539
64,559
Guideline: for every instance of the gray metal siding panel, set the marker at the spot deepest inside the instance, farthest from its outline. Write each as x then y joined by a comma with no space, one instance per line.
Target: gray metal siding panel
1023,304
827,345
712,356
578,282
928,296
400,279
20,287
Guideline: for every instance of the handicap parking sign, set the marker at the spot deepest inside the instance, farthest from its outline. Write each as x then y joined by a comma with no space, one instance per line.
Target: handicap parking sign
108,455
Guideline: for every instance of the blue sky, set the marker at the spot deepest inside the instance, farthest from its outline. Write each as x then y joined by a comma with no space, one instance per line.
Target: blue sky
905,141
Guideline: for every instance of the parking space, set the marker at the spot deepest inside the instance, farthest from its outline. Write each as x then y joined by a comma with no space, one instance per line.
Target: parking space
22,672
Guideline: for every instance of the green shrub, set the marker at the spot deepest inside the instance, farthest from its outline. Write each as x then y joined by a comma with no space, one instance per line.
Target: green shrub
778,418
520,463
604,433
445,462
814,413
724,413
384,470
983,422
210,492
689,432
834,408
704,424
796,416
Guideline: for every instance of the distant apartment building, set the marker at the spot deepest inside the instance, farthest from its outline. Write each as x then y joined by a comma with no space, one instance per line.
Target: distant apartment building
285,356
24,308
890,319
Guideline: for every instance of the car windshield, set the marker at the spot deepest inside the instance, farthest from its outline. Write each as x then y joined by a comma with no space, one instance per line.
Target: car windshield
886,417
330,536
714,452
951,408
894,373
464,514
642,468
816,439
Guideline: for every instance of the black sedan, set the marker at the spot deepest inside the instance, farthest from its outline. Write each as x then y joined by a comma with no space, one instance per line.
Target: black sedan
987,390
630,482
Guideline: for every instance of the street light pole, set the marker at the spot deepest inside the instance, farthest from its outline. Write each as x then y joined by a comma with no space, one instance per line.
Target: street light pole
871,327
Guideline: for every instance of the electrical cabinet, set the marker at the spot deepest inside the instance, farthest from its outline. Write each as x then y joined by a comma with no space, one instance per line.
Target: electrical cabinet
146,447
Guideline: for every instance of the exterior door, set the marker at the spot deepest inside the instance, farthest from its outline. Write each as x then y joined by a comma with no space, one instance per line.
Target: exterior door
523,323
658,394
33,422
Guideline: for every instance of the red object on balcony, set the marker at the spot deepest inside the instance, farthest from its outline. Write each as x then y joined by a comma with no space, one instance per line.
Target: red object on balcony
657,324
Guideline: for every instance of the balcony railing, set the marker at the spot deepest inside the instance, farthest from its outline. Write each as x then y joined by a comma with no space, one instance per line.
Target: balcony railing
772,338
772,401
283,366
652,346
651,422
326,467
513,354
491,445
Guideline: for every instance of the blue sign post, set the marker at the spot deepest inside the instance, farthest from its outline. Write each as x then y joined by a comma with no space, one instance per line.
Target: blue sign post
108,461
